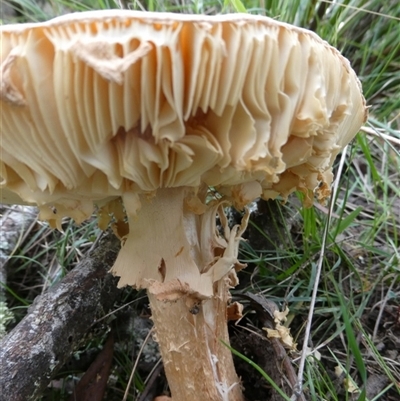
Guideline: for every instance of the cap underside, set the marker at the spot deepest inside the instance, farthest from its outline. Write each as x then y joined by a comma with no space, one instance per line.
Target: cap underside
97,105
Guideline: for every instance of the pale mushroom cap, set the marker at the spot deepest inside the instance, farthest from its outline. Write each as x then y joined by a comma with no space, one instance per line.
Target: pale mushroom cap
98,104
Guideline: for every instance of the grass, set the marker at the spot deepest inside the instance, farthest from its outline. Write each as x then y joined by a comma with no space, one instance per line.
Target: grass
353,246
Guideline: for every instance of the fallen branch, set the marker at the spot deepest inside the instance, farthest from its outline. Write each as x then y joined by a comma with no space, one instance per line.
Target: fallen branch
56,322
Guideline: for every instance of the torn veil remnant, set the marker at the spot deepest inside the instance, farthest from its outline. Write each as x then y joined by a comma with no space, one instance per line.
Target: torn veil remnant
139,114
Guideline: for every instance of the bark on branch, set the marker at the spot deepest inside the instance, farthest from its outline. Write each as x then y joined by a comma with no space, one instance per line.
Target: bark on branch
56,322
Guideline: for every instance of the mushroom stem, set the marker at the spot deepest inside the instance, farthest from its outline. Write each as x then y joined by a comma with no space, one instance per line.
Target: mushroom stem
174,250
197,365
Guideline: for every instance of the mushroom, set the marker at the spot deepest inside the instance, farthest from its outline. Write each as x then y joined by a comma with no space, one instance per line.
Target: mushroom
168,119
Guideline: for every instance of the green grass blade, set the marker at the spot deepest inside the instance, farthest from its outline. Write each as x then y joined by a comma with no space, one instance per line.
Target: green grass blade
351,338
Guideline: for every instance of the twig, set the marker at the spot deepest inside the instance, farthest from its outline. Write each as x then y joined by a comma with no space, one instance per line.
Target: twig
150,380
379,134
135,365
